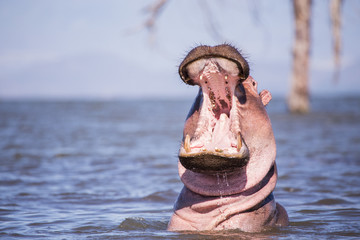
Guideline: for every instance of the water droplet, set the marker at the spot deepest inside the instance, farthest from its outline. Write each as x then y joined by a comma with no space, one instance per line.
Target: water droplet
221,194
225,179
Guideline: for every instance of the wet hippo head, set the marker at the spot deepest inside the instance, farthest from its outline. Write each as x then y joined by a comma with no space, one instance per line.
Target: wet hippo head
227,155
227,131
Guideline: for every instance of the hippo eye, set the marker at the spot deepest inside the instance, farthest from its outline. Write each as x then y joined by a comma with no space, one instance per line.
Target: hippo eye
240,93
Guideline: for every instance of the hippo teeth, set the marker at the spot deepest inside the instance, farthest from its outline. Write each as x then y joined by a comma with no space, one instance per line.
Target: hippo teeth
239,142
187,143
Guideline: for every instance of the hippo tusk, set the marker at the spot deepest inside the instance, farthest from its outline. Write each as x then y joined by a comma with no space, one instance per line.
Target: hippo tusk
239,142
187,143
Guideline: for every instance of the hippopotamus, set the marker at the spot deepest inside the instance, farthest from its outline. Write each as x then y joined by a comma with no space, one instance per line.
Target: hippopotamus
227,155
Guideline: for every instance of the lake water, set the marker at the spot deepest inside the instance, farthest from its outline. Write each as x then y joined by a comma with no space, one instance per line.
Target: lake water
108,170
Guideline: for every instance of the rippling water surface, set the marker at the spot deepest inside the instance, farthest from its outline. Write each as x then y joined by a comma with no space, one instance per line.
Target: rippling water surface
108,170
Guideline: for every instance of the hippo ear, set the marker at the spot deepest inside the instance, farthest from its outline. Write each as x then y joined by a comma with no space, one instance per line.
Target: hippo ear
224,51
265,96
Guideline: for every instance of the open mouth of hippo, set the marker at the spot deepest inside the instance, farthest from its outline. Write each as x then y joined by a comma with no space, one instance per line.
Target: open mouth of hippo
212,139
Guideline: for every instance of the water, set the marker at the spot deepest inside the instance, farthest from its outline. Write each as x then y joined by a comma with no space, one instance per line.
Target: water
108,170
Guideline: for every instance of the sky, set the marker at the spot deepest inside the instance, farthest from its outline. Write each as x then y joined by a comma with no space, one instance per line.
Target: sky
95,49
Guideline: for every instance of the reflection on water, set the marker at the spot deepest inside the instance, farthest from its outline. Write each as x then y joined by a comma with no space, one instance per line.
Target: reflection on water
108,170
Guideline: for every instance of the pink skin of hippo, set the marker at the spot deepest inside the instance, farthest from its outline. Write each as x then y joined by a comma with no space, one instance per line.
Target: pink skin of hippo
227,156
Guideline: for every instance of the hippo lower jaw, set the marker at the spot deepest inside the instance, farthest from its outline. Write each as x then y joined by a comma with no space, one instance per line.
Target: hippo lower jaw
215,144
248,211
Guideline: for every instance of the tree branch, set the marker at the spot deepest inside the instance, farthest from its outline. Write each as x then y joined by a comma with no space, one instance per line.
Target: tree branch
154,10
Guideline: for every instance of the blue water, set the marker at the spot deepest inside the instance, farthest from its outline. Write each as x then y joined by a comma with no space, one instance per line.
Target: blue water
108,170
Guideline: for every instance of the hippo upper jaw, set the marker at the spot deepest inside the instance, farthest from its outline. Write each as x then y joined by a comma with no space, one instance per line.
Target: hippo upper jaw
212,139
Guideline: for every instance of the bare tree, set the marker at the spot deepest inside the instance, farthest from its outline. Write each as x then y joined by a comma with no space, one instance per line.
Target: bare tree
335,14
298,100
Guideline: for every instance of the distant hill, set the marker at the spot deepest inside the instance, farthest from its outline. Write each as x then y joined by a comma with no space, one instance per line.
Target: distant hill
90,76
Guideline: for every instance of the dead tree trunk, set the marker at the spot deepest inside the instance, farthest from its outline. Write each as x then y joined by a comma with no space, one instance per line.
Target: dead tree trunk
298,100
335,16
